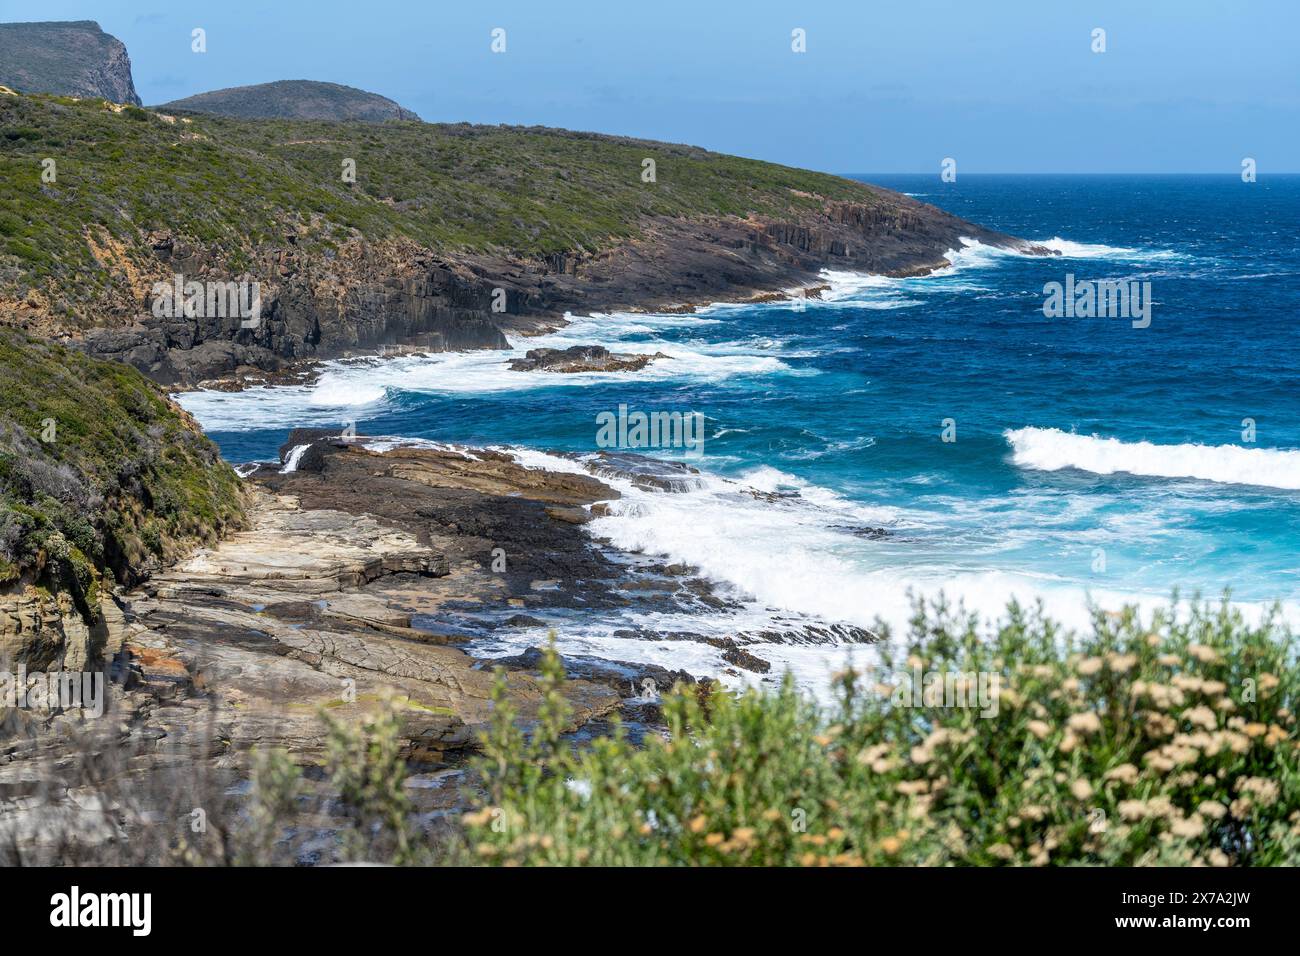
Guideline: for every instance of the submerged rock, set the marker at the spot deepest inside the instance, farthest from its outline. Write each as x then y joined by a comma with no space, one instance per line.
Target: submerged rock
651,474
745,660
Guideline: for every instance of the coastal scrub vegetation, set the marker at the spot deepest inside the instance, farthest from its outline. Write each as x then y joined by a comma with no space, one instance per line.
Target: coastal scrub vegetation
101,476
237,186
1161,741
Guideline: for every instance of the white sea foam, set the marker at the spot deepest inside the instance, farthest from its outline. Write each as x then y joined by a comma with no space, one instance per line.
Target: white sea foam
1049,449
1086,250
769,535
975,254
295,455
383,443
264,407
785,548
866,291
783,543
887,292
349,389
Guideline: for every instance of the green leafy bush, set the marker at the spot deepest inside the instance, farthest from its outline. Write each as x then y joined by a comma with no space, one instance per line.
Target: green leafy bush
1168,740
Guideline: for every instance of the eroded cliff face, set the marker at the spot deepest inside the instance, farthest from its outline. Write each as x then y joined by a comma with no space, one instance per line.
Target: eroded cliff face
113,76
311,308
367,296
49,633
686,263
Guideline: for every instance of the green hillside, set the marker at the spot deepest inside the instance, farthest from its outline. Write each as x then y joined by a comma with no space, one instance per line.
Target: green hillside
235,185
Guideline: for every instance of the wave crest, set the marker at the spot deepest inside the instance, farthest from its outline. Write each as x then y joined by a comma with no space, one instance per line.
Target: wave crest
1050,449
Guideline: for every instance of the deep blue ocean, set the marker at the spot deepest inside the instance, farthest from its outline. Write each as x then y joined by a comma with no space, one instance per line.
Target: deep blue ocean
1092,460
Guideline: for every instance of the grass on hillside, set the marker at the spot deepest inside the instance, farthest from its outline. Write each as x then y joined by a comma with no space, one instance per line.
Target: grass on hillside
234,186
290,99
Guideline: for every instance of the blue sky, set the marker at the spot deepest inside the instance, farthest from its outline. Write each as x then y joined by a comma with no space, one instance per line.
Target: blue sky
1001,85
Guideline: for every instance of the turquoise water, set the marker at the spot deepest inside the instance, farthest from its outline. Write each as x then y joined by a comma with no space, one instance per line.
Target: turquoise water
1091,458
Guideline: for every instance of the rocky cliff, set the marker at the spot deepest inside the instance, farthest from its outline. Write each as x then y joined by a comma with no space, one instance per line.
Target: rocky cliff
358,235
295,99
73,58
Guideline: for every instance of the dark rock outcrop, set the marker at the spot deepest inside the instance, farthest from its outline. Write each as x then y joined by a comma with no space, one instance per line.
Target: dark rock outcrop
309,311
72,58
582,358
746,661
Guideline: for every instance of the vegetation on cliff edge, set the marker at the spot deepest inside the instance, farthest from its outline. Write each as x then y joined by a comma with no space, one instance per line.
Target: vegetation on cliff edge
100,473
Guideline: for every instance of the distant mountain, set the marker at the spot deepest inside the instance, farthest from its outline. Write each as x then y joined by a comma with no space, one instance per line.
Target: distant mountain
295,99
70,58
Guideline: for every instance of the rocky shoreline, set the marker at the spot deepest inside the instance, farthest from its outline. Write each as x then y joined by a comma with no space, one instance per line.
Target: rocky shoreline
330,601
395,296
342,578
361,576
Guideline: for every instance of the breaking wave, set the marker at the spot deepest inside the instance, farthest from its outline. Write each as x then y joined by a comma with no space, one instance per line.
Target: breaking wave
1050,449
